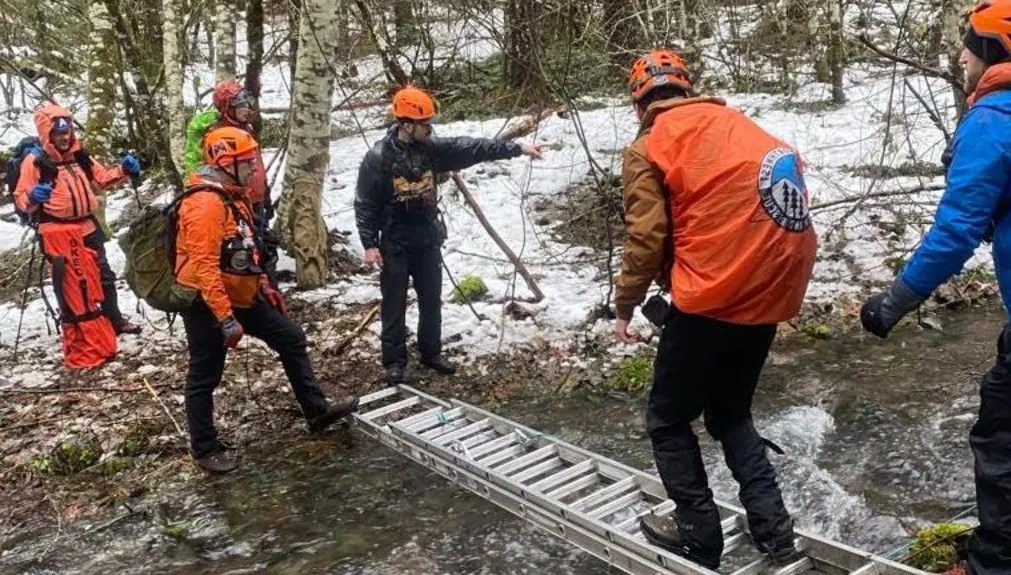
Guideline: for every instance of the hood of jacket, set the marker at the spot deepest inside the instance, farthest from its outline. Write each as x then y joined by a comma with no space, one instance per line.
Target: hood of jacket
45,117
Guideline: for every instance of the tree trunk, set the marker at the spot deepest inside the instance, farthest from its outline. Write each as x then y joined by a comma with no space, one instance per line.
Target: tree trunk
403,23
294,9
254,64
172,54
224,40
955,17
101,92
393,69
622,35
836,52
693,30
302,224
523,71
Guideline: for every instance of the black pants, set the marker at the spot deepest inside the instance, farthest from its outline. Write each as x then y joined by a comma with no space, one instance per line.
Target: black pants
424,266
705,366
110,305
207,364
990,439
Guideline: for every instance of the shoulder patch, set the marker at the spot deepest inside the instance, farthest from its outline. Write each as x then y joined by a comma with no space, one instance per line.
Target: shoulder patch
783,191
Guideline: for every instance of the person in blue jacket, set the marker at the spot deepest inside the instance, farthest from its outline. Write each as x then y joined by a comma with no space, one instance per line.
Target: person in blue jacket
975,204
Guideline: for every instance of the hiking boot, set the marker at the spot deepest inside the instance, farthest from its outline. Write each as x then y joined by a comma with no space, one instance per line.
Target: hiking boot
218,462
663,532
440,364
396,374
124,326
336,411
781,555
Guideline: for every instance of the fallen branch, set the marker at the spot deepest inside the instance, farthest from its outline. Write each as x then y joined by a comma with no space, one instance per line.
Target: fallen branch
154,394
928,70
881,194
78,389
357,331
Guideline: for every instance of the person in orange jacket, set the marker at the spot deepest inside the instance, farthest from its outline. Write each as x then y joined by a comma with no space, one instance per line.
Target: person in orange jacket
58,184
217,253
717,209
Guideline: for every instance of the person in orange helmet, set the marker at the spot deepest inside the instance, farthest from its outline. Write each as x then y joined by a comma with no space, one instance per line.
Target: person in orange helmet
58,183
397,212
217,254
716,211
975,206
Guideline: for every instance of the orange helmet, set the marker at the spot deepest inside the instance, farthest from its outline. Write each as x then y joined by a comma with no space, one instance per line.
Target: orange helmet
410,103
992,19
226,146
658,68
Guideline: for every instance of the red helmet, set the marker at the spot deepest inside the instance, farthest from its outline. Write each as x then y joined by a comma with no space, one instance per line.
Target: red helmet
992,19
658,68
410,103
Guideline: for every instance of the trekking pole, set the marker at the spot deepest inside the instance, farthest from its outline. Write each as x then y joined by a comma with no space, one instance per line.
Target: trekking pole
24,296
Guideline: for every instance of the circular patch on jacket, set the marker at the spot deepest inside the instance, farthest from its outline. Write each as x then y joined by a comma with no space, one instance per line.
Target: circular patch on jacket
783,191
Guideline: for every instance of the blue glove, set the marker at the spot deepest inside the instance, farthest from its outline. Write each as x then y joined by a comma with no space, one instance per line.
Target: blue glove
131,165
41,193
881,312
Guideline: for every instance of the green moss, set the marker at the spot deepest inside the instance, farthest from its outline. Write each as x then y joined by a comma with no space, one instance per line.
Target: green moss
174,529
114,465
818,330
470,289
632,376
135,442
71,456
936,548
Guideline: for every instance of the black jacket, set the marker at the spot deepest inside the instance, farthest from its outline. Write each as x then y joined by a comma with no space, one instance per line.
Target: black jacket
396,203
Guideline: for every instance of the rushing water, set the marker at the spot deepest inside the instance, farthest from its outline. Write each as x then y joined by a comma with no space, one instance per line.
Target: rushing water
875,438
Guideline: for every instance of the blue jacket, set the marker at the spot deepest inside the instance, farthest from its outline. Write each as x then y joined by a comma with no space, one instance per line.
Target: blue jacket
978,192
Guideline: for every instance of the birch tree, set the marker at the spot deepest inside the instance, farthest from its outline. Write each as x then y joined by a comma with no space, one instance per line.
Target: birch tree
101,91
173,62
224,39
301,221
836,50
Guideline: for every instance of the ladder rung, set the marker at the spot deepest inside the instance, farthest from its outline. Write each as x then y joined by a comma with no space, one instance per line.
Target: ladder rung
734,541
604,494
479,451
435,420
445,427
665,507
533,457
464,432
407,422
392,408
377,395
537,470
573,487
615,506
563,475
500,456
753,568
729,523
627,525
797,567
480,438
868,569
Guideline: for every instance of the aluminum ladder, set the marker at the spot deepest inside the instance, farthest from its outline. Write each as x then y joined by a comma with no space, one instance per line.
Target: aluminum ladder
590,501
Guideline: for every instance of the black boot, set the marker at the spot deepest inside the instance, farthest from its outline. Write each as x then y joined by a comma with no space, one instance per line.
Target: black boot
663,532
336,411
125,326
219,462
396,374
439,364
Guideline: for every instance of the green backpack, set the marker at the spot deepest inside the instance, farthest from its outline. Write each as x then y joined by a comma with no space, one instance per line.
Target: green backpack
150,249
193,157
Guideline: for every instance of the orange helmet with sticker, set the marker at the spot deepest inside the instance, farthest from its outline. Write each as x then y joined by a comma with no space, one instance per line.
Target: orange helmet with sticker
655,69
226,146
410,103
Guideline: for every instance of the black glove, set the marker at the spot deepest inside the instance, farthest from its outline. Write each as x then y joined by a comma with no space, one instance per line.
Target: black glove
880,313
232,332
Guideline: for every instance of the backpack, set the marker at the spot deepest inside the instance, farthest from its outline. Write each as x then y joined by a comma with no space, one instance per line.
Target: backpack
193,157
150,249
47,168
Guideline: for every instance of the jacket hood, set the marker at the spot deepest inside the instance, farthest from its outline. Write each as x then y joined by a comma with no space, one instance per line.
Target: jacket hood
45,117
994,79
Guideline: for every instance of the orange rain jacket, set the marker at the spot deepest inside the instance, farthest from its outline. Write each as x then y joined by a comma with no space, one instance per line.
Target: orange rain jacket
735,201
73,199
206,224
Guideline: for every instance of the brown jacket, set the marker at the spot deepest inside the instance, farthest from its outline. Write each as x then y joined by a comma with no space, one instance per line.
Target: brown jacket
649,247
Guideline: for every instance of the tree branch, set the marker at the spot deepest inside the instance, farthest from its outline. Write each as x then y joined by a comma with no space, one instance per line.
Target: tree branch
928,70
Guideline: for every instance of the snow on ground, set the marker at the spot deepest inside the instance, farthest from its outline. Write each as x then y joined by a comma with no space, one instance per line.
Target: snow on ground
830,140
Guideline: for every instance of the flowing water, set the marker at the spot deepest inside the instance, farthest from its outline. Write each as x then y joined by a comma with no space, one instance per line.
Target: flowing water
875,435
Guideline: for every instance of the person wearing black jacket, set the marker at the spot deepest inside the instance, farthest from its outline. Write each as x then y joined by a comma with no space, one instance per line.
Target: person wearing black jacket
396,209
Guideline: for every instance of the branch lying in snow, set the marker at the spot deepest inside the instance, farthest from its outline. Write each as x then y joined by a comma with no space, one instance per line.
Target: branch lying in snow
881,194
357,331
928,70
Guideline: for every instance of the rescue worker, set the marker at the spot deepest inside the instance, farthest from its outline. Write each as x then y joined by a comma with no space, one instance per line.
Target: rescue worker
717,209
234,106
58,184
975,203
397,212
217,254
